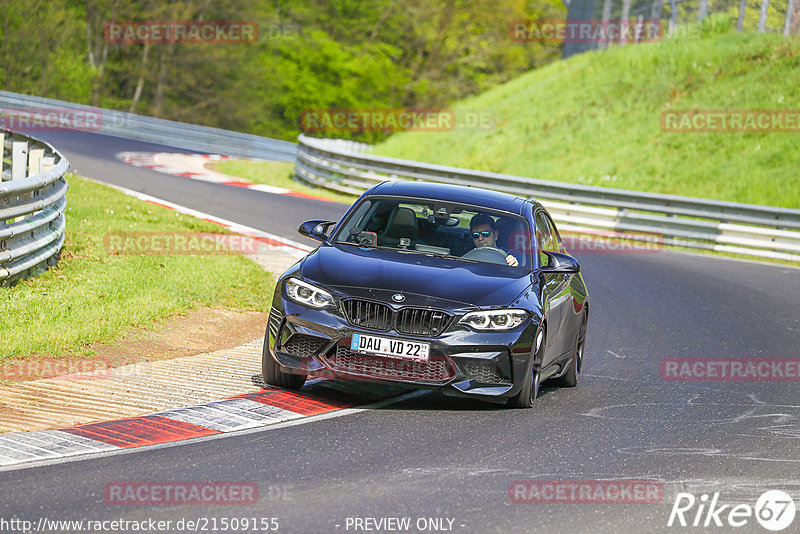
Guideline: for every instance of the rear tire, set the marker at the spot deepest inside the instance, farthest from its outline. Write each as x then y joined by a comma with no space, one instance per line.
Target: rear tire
527,395
273,374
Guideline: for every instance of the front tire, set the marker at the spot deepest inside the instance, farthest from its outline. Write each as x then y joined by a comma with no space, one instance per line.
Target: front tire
527,395
273,374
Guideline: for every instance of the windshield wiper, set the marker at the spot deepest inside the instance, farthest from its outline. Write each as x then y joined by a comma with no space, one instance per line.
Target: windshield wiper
359,245
451,257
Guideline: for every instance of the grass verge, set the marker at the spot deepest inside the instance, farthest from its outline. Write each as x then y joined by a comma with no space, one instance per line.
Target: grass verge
93,296
596,119
277,173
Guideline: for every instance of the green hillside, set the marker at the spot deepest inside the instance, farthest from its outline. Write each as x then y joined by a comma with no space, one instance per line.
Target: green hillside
595,119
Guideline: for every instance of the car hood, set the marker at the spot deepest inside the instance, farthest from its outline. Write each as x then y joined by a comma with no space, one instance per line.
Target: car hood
358,271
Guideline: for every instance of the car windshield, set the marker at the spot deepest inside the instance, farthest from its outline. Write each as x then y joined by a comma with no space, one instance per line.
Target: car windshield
467,233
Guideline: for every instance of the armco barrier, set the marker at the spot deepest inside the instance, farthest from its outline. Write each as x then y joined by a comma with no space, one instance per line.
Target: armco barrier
32,204
171,133
747,229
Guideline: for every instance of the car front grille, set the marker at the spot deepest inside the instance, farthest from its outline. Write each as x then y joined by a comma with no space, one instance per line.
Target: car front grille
377,316
421,322
369,314
435,370
485,372
304,345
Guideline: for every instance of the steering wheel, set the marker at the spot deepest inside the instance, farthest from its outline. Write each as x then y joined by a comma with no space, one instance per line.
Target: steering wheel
487,254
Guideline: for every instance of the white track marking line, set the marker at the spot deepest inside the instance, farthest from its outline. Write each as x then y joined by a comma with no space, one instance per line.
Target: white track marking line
231,225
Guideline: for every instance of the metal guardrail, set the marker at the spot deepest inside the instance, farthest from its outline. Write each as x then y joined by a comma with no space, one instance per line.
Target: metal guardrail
131,126
748,229
32,204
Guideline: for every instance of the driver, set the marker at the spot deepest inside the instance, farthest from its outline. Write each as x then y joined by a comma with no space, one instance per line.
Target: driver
484,234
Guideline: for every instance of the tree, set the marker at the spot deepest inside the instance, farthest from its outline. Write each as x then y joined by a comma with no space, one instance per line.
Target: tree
762,16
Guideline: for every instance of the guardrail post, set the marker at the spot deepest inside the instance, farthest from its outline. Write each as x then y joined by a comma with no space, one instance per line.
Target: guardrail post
35,156
47,164
19,160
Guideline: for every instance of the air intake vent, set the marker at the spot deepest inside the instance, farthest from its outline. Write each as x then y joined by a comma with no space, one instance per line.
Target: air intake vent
304,345
274,322
485,372
435,371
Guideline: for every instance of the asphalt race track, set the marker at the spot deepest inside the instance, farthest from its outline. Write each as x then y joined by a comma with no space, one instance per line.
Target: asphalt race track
448,463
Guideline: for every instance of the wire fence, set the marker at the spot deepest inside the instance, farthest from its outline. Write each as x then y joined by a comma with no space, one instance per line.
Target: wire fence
777,16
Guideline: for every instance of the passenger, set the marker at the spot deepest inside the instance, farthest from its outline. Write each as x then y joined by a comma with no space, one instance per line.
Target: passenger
484,234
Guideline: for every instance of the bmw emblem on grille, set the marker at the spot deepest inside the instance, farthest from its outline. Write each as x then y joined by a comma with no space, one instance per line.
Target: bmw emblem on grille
397,297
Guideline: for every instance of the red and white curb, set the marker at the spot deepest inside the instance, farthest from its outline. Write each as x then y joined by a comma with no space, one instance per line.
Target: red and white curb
242,412
194,166
248,411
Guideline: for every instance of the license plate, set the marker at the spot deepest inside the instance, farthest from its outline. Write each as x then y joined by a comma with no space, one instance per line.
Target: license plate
393,348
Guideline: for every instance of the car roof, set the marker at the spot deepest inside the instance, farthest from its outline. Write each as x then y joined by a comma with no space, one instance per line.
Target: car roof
453,193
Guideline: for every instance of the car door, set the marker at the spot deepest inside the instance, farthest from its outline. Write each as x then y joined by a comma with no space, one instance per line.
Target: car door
555,288
570,318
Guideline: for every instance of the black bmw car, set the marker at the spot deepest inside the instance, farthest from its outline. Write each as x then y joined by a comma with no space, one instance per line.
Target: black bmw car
435,286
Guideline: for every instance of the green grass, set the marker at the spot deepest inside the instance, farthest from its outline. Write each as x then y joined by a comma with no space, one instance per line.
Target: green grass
94,296
277,173
595,119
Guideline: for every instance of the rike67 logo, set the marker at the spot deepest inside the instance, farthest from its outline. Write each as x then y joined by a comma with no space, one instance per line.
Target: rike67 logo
774,510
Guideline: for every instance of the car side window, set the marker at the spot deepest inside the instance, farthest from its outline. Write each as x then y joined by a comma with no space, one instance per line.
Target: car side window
558,246
364,211
544,240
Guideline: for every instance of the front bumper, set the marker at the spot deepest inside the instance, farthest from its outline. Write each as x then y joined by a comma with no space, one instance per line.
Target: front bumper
461,362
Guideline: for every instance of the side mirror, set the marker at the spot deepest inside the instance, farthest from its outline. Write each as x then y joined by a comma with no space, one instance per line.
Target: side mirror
315,229
560,263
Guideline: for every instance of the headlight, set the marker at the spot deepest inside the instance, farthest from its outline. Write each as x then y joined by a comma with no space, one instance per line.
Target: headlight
304,293
494,319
